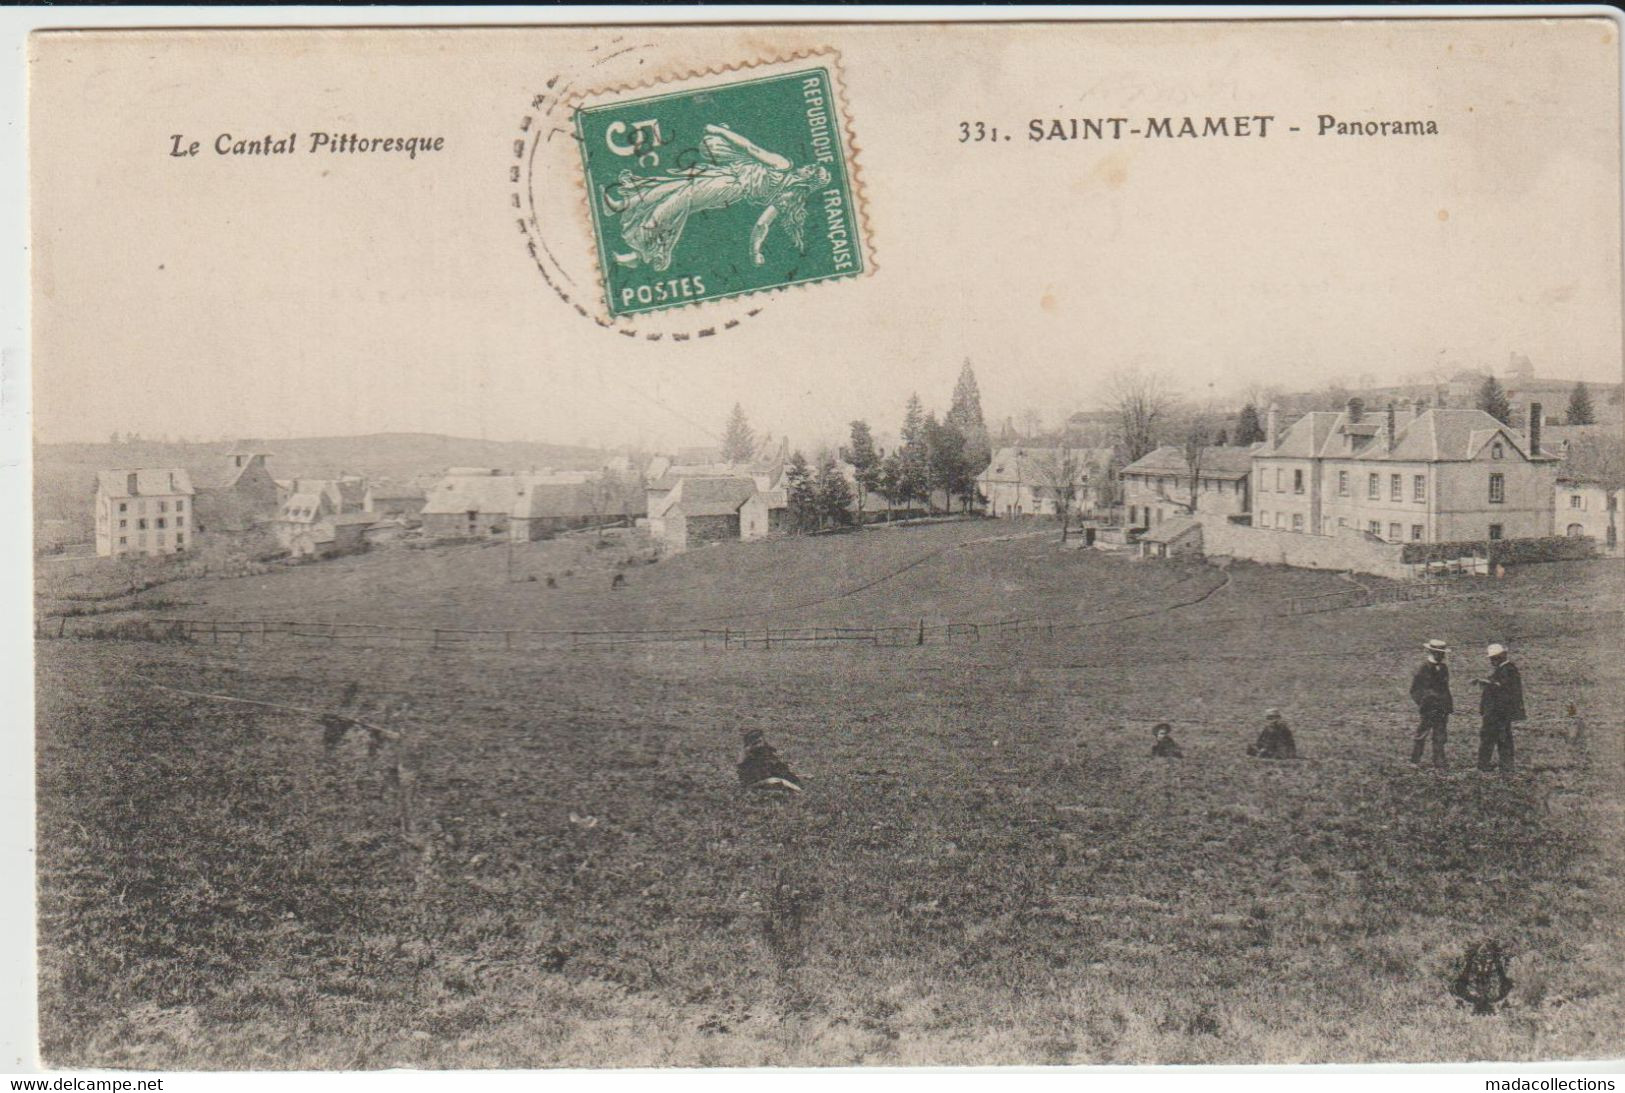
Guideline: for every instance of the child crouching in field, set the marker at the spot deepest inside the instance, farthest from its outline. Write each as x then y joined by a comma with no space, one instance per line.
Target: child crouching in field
761,768
1275,742
1165,748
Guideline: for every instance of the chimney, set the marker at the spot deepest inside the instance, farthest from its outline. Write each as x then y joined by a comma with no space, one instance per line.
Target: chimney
171,481
1272,421
1534,428
1356,411
1390,432
132,484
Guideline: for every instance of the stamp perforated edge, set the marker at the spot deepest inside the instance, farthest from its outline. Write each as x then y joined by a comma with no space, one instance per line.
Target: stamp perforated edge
672,81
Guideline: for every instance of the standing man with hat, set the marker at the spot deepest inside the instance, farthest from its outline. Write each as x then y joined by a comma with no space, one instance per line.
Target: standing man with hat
1501,703
1430,690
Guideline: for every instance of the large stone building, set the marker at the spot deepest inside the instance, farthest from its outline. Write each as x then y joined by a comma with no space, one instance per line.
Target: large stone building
1157,486
1026,481
146,511
1404,476
698,511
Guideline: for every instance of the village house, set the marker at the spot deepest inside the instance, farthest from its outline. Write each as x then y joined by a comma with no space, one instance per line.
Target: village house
332,535
1403,475
476,504
1024,481
543,508
767,512
701,510
236,495
346,493
146,512
387,499
1175,537
298,517
1587,506
1157,486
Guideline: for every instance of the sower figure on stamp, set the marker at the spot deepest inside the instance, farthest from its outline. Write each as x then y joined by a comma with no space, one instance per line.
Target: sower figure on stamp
1500,702
1275,741
1430,690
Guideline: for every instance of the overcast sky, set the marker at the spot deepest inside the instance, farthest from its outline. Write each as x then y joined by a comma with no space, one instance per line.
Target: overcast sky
308,295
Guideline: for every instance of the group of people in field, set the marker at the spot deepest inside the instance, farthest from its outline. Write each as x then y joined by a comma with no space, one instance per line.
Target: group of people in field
1500,706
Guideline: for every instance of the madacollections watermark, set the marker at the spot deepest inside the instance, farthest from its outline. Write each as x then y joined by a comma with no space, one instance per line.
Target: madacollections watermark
1549,1085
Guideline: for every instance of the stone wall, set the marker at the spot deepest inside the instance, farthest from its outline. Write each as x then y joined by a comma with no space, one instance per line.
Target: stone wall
1347,550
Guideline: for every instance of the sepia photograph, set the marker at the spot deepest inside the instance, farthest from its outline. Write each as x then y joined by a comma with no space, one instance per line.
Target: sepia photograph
962,542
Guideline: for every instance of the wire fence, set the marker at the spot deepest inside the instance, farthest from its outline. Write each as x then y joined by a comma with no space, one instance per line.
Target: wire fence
378,635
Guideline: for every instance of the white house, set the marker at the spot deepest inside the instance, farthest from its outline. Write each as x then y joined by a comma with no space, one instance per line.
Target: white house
146,511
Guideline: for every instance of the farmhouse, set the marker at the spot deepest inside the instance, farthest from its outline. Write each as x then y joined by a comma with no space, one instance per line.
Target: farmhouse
146,511
472,505
346,493
1025,481
1157,486
1430,476
384,499
298,517
1588,506
543,508
767,512
701,510
235,496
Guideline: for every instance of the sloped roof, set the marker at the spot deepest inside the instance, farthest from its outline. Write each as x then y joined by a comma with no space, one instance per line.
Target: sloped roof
1217,462
1170,530
1435,435
159,481
457,493
305,508
542,499
1027,464
395,493
720,496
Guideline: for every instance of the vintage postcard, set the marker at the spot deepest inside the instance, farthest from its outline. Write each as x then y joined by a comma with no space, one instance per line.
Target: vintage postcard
810,544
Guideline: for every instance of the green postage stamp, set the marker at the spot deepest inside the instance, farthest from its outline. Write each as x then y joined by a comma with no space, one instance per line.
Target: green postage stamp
721,190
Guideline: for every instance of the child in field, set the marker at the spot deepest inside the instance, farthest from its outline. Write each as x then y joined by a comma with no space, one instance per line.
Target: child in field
1275,741
761,768
1165,748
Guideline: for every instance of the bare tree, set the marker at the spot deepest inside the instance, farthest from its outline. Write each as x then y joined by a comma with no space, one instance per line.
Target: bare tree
1064,472
1143,401
1032,424
1196,440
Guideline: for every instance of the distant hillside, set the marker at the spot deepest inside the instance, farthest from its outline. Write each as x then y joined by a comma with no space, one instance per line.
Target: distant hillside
64,474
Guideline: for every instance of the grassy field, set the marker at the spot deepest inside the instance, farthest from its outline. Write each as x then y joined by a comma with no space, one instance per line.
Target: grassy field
553,866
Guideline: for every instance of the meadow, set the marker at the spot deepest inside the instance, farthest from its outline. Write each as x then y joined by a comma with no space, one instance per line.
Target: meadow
552,864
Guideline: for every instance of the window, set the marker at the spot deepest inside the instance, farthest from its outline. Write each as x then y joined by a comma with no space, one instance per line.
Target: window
163,506
1373,486
180,540
1278,486
1496,451
1396,487
1419,488
1575,531
1280,519
122,524
1342,522
1576,501
1342,483
122,507
1394,533
180,521
160,523
1498,488
1297,521
141,524
1263,519
123,540
1374,527
1297,481
1416,533
1495,531
180,506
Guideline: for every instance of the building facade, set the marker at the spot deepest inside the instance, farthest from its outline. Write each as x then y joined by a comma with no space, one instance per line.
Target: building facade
1157,486
144,512
1586,507
1404,476
1024,481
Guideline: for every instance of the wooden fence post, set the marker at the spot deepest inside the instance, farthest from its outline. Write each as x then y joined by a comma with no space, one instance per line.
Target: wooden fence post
921,639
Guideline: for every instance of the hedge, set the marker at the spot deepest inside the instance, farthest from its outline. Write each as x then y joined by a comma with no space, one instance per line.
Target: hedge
1553,548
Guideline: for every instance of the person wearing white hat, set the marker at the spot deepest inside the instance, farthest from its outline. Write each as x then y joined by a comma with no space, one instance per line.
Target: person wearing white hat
1500,703
1430,690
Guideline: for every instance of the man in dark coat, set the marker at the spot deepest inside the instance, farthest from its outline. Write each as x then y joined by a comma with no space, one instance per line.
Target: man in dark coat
1164,747
1430,690
761,768
1275,742
1500,702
